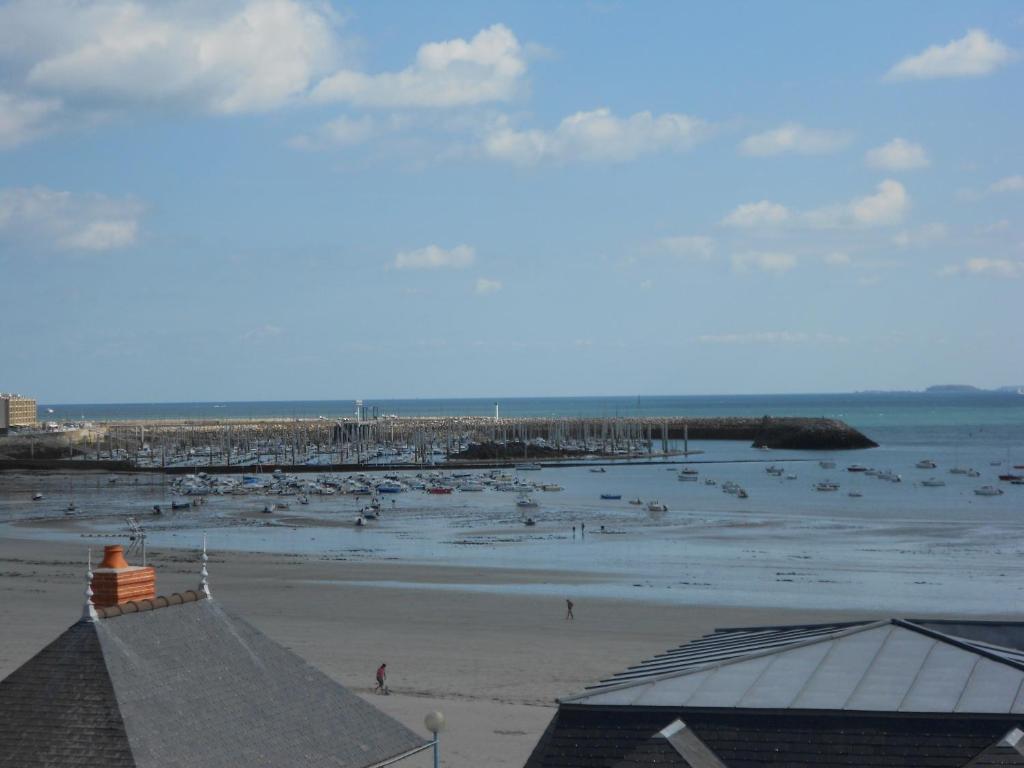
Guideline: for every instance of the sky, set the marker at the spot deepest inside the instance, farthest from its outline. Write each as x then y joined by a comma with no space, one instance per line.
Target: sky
277,199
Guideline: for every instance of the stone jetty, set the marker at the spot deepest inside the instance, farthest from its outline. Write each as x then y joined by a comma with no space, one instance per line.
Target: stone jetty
407,441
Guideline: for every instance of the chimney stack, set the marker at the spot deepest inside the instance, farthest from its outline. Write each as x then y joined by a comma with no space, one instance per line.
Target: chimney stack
115,582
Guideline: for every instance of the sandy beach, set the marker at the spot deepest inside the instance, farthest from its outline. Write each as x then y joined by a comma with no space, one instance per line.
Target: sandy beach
493,663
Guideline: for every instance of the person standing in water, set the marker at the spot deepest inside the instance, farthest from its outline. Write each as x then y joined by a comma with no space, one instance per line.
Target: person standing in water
382,675
568,610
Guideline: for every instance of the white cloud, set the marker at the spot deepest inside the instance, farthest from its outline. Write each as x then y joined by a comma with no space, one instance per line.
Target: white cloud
340,132
923,235
435,257
985,266
262,333
763,213
898,155
771,337
1009,184
766,261
102,235
52,219
23,118
597,136
487,68
794,138
220,57
886,207
997,267
689,246
973,55
836,259
485,286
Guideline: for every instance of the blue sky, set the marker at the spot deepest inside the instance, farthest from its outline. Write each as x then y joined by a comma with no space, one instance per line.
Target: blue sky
285,200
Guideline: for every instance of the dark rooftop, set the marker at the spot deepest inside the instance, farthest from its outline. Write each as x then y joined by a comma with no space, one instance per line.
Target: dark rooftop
181,682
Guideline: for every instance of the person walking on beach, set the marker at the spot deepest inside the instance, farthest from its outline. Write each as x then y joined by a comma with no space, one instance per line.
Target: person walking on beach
568,610
382,674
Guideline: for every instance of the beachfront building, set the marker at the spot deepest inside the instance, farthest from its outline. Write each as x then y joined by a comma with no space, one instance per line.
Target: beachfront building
899,693
153,682
16,411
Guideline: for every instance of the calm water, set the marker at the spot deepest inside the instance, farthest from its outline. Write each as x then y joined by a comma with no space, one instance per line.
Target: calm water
865,411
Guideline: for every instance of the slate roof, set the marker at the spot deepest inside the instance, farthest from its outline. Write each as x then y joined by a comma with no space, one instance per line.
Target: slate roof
614,738
182,686
1008,751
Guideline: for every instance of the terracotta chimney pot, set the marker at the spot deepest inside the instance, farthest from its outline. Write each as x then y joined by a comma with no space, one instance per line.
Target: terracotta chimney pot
113,557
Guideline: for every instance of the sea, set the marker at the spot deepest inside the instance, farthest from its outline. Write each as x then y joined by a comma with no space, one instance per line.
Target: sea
873,545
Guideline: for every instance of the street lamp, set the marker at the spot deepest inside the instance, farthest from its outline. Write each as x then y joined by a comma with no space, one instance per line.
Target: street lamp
435,724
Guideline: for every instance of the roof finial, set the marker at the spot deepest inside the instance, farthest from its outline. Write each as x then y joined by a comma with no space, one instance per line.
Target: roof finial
89,610
204,584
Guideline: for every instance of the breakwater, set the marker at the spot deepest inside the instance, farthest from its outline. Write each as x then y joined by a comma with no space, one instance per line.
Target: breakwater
410,441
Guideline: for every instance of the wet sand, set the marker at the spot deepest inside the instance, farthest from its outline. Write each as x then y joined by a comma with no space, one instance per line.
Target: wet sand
493,663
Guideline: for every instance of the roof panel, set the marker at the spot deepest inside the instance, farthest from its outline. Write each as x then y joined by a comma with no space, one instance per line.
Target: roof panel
892,672
992,687
785,677
669,692
725,685
941,681
841,670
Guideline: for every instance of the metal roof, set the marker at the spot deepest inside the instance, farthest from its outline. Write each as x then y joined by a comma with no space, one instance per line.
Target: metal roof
882,666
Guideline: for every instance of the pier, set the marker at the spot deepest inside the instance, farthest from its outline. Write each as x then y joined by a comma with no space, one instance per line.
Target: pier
397,442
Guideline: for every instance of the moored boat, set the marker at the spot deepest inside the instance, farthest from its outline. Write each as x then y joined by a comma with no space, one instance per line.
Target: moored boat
988,490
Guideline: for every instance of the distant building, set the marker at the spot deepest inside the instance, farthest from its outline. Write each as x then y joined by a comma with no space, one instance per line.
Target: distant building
896,693
168,682
16,411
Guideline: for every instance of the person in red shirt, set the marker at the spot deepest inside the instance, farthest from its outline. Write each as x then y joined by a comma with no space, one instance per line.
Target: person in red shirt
382,674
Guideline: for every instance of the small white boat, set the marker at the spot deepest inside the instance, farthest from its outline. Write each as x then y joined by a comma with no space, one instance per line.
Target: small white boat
826,485
687,478
656,506
598,470
773,470
926,464
709,481
526,502
933,482
689,471
551,487
742,494
37,497
988,490
470,488
360,522
855,494
303,499
791,477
